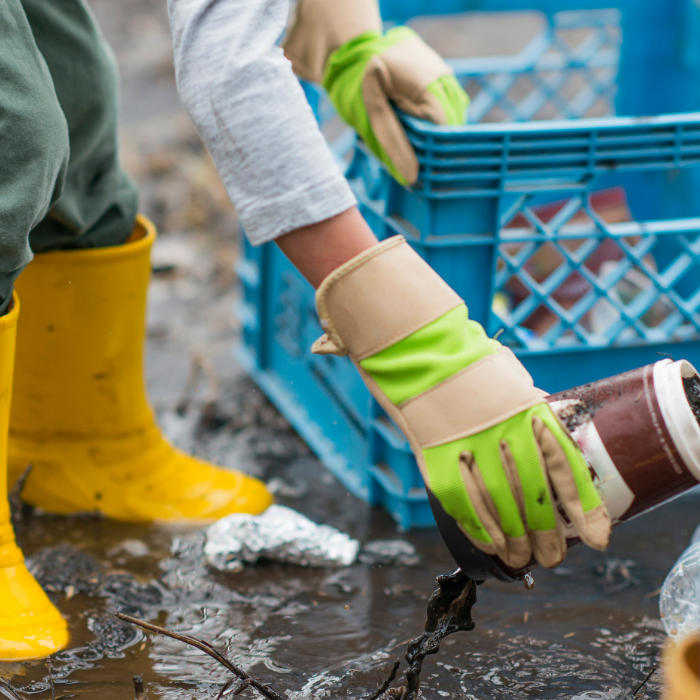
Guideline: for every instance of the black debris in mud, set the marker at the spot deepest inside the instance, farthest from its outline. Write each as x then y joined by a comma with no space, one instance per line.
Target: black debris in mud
575,415
692,391
66,569
71,571
112,635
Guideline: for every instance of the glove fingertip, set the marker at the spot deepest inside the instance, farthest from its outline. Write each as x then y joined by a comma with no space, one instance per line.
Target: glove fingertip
549,547
597,528
480,499
516,552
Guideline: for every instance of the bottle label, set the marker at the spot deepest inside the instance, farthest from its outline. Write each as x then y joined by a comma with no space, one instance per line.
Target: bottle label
616,495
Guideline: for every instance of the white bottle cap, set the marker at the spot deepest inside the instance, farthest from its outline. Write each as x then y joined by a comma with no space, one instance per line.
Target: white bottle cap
676,411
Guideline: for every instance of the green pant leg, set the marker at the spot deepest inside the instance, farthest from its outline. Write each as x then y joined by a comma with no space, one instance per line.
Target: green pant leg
99,202
33,143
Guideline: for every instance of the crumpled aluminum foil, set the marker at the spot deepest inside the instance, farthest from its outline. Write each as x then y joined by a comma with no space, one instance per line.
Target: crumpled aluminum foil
279,534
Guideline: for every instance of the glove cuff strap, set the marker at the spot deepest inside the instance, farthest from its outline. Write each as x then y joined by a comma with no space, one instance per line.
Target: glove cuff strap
379,298
320,27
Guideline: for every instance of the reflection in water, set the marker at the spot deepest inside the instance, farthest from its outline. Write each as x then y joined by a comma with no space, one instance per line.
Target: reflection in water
523,667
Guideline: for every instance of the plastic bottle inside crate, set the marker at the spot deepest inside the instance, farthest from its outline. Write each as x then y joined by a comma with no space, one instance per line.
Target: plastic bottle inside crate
679,604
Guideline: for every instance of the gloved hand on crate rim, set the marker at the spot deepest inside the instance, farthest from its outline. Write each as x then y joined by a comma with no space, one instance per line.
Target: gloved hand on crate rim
340,44
488,445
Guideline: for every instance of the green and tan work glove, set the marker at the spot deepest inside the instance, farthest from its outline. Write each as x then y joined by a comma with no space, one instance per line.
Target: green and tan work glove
340,44
488,445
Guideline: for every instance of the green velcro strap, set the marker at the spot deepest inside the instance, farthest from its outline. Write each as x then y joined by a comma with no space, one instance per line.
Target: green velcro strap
427,357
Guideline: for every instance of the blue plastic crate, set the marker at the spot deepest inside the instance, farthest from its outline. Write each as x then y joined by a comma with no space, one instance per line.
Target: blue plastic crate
575,238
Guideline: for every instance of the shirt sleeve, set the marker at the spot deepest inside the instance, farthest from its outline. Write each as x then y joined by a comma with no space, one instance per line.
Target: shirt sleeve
252,115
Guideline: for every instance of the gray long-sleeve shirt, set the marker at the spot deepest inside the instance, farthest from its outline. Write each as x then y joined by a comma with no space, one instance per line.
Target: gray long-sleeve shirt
252,115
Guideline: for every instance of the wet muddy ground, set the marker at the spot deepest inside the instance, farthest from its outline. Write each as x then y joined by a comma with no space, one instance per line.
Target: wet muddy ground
589,630
591,625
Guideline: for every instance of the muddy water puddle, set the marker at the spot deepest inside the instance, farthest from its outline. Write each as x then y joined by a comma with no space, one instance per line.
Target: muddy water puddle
591,626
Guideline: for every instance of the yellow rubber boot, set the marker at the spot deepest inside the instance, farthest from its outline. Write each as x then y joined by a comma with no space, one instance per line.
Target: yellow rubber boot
681,664
30,626
80,414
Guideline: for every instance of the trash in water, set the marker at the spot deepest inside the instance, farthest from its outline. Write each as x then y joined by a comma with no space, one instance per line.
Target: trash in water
279,534
389,553
679,604
616,573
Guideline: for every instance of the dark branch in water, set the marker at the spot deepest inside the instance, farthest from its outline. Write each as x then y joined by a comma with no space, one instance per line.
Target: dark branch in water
644,682
200,644
139,689
385,686
8,691
233,687
449,611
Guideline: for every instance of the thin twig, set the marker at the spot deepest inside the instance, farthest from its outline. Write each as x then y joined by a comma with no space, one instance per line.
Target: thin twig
644,682
199,365
234,687
139,689
8,691
227,685
400,644
15,495
207,648
51,683
385,686
190,388
211,392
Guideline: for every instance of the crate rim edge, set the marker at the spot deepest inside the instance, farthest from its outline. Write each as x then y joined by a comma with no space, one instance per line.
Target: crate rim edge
550,125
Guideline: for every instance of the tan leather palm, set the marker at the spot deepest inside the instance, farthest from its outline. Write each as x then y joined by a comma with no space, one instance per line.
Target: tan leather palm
401,75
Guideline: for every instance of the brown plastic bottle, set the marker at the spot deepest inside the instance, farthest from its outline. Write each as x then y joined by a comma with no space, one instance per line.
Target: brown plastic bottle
641,438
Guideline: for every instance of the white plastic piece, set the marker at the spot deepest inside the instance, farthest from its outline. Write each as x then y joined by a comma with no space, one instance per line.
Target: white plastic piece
679,604
676,411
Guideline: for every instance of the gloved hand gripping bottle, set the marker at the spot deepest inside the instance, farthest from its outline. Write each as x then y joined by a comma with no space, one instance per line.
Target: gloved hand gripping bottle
491,451
639,433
